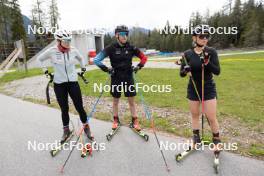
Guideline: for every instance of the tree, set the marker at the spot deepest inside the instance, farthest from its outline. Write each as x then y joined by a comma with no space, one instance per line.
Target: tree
4,13
39,20
108,39
237,21
196,19
139,37
252,37
17,27
54,14
38,14
154,39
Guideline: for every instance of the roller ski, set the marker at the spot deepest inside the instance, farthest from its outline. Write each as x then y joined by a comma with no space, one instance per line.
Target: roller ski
66,137
196,145
115,127
217,143
90,142
134,125
216,162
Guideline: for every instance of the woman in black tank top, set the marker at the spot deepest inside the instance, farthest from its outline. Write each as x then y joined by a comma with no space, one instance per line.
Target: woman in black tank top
201,63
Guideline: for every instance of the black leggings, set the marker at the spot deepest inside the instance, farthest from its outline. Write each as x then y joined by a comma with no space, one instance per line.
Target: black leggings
73,89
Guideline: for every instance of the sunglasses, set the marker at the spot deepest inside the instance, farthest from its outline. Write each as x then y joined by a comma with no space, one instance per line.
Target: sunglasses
123,34
67,41
204,36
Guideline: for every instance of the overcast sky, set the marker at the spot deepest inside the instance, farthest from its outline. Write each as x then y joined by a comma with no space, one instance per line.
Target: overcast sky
84,14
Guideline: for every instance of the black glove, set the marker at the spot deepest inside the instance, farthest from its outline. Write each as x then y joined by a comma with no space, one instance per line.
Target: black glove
46,73
187,68
137,68
110,71
83,70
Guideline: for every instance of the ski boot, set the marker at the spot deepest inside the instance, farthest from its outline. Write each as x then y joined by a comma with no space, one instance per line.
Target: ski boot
88,147
196,139
135,124
66,134
115,126
116,123
87,131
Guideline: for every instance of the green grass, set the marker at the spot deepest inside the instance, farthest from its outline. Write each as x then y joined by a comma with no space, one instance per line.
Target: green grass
256,150
11,76
240,87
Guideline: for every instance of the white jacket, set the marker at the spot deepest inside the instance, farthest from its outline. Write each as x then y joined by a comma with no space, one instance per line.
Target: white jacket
63,63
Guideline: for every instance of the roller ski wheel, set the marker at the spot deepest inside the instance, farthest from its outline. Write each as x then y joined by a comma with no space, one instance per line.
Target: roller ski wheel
84,153
87,151
146,137
178,157
53,153
108,137
216,168
112,133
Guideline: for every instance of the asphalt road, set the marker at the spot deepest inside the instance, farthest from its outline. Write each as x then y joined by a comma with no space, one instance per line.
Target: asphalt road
127,154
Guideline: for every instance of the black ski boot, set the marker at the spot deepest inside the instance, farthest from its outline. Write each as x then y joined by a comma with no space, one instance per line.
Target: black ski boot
216,140
196,138
87,131
66,134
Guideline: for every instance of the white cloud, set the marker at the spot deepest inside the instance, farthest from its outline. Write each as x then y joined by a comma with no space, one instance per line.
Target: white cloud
83,14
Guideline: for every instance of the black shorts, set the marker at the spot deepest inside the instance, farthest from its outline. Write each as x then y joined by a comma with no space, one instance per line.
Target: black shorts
123,81
209,91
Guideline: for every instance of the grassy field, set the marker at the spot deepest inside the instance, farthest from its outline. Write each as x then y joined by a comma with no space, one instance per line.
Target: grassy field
240,86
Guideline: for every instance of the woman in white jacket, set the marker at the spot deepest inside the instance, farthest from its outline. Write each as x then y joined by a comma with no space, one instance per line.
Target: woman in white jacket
63,58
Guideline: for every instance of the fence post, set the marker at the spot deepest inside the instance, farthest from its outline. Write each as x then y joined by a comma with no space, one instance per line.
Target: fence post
24,54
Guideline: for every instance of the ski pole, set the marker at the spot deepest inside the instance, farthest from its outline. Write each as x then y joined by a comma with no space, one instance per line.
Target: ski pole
83,78
148,115
80,133
198,95
203,114
68,157
51,76
96,102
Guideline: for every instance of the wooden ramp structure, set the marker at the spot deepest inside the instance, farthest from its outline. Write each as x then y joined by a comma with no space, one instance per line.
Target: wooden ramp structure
18,53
